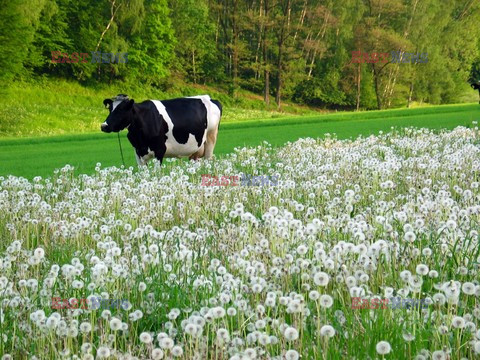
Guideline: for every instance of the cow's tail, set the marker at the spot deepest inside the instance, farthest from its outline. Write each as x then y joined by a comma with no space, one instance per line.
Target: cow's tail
216,102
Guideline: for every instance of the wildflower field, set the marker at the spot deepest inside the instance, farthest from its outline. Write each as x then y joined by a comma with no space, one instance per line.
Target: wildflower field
251,272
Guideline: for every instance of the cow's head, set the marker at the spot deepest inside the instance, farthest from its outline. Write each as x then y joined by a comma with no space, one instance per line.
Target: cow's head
121,113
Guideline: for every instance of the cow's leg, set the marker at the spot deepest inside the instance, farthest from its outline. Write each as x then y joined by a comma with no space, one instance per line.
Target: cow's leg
140,161
210,143
198,154
159,150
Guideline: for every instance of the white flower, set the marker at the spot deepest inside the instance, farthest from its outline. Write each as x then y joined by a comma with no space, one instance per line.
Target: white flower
218,312
85,327
410,236
321,278
458,322
292,355
115,324
223,336
476,347
177,351
145,338
291,334
39,253
326,301
231,311
383,347
190,329
166,343
468,288
103,352
439,355
327,330
251,353
314,295
86,348
422,269
157,354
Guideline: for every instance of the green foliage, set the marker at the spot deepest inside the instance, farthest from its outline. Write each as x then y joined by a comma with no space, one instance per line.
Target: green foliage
19,21
152,47
286,49
319,93
195,34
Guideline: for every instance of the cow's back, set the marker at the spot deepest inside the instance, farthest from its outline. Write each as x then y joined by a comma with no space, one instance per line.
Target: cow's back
186,120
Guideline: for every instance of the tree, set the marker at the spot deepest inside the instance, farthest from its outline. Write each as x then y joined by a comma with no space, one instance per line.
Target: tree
151,50
20,20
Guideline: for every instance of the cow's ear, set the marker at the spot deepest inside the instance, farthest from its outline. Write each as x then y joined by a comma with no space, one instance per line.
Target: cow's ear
108,103
130,104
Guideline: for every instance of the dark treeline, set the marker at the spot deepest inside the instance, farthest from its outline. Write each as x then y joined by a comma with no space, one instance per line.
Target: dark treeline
300,50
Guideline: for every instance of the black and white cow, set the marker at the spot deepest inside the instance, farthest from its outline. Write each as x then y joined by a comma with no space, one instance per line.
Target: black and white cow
168,128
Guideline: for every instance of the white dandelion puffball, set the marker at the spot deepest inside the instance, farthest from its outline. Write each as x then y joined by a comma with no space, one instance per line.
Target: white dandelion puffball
292,355
326,301
145,338
327,330
476,347
115,324
422,269
103,352
39,253
383,348
177,351
458,322
439,355
321,278
291,334
166,343
157,354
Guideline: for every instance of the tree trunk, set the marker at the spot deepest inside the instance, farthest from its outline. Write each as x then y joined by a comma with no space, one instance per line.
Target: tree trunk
410,93
302,19
266,72
377,87
193,67
259,43
235,47
113,11
281,43
318,38
359,87
279,74
392,80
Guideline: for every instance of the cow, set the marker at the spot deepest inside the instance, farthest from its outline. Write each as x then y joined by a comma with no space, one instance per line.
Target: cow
181,127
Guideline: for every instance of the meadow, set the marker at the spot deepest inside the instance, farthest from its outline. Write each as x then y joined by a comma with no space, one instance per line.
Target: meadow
40,155
251,272
339,218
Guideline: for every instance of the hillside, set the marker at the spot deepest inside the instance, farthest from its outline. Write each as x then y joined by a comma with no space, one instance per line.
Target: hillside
51,107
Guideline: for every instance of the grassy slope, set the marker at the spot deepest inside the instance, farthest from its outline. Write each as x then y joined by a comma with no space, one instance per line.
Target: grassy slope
39,156
52,107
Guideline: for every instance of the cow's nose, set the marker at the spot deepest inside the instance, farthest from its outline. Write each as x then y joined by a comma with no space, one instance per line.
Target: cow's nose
104,127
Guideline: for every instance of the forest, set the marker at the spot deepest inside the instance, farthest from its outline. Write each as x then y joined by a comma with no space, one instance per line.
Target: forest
333,54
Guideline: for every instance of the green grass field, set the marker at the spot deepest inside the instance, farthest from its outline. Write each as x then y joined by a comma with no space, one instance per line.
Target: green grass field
30,157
